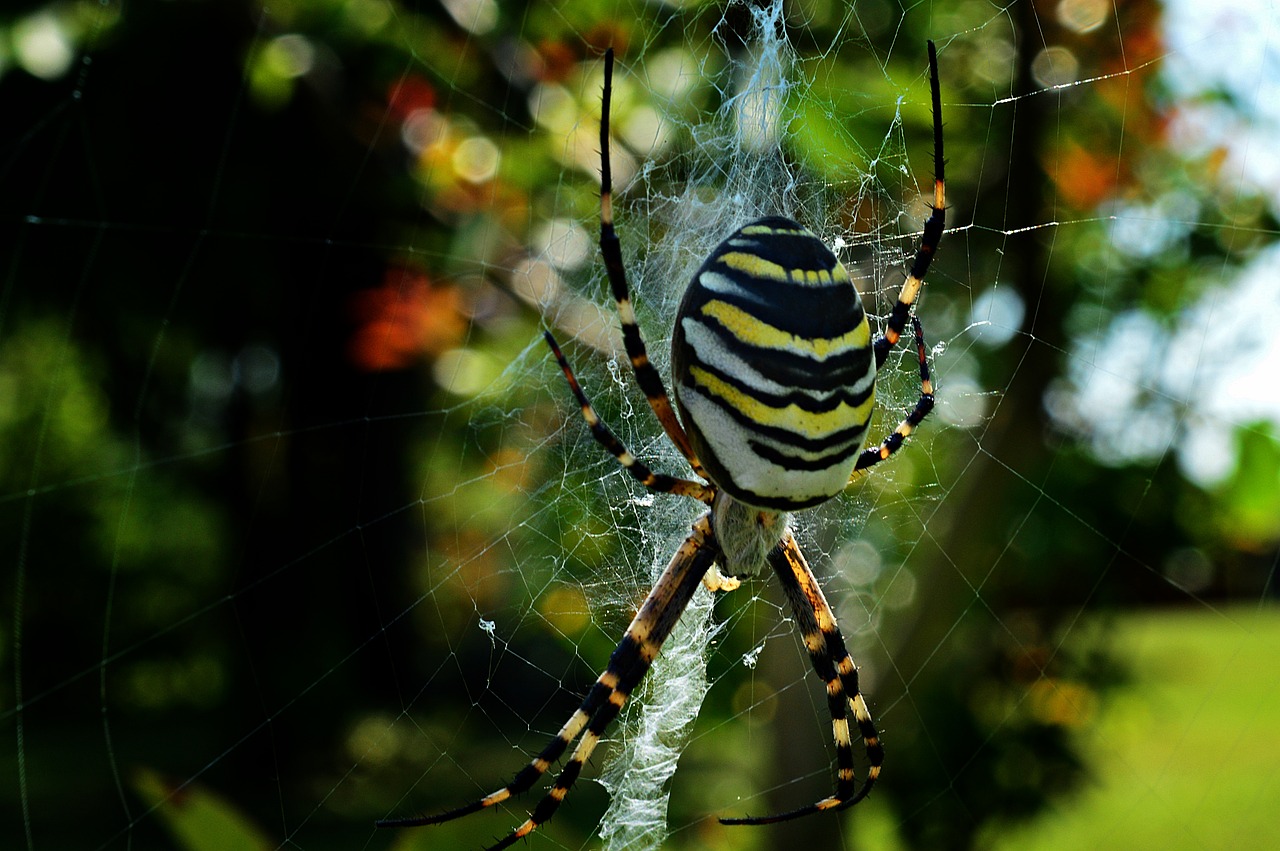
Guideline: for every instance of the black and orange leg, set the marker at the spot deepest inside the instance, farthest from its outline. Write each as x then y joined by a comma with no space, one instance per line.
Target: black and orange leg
646,374
833,664
627,666
892,443
933,227
657,482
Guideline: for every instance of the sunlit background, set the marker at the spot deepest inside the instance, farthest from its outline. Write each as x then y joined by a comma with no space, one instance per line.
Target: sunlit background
302,529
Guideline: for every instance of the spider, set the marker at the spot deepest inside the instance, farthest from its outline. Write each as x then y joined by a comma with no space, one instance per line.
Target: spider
774,371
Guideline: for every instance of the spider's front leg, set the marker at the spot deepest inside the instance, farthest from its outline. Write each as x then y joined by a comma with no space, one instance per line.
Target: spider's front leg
833,664
627,666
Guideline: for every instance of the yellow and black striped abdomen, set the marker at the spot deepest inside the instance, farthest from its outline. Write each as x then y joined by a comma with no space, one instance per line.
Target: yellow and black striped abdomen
774,371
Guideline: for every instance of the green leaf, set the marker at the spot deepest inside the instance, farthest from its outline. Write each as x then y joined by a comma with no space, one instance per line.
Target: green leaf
199,819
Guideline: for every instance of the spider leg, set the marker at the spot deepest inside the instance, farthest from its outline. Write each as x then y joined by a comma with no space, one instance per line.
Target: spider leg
932,229
924,405
646,374
629,663
831,662
657,482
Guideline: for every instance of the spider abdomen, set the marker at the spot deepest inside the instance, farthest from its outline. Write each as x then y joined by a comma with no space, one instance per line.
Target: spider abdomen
773,366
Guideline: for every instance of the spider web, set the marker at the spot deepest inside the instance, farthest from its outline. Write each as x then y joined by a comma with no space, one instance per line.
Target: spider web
305,531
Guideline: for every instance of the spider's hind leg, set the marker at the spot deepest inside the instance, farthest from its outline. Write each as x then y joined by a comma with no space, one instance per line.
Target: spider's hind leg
892,443
656,482
611,249
933,228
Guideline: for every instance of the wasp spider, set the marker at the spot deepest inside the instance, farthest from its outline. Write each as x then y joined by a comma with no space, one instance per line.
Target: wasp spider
774,368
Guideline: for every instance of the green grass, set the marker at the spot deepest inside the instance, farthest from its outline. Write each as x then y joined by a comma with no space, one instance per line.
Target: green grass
1188,755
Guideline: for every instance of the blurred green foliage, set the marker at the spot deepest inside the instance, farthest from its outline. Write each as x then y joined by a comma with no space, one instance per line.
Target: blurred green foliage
198,819
1146,727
